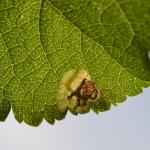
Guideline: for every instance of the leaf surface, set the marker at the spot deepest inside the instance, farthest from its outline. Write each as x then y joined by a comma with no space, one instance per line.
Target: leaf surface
41,40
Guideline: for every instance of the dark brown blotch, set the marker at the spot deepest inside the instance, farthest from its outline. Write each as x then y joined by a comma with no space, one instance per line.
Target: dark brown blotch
86,90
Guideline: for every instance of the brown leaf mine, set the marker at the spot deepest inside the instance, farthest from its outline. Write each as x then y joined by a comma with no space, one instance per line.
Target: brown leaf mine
77,92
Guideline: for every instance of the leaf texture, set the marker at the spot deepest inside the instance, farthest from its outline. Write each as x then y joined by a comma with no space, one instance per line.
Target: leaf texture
40,40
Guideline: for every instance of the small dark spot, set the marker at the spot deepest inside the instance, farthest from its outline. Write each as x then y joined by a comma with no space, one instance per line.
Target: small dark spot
86,90
94,94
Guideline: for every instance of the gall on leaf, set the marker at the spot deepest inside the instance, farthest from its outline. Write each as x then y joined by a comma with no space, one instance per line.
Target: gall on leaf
77,92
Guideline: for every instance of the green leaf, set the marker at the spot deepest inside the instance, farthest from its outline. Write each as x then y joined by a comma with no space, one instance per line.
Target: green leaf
41,40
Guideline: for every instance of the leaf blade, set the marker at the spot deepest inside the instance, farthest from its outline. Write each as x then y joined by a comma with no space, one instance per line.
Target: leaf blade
41,44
